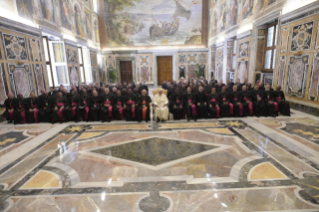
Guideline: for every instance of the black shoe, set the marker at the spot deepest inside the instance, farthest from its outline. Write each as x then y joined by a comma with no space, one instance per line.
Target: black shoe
163,121
157,120
188,119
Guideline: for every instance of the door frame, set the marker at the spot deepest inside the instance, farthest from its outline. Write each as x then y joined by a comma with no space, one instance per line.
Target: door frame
155,55
118,60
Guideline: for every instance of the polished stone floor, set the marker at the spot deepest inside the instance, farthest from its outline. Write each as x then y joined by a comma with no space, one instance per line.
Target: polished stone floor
248,164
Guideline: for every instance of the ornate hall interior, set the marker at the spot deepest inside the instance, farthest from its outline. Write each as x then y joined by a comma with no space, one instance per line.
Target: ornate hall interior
79,158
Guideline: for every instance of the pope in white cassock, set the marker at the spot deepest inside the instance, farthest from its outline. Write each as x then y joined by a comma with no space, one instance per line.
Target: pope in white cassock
161,110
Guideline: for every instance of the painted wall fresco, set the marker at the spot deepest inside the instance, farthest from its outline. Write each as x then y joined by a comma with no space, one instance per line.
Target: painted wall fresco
227,14
219,63
189,63
74,17
243,57
298,62
95,68
73,64
160,22
144,68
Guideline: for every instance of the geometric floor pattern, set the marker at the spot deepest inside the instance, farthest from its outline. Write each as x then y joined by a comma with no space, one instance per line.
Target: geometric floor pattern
249,164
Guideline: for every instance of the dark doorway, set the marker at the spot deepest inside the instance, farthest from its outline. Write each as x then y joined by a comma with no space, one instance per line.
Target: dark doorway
126,71
164,69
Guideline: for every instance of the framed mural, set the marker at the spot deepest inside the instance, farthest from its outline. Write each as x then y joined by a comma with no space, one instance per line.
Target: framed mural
15,47
302,36
39,78
21,79
35,50
71,55
281,71
161,22
88,25
284,40
244,49
314,80
3,85
297,75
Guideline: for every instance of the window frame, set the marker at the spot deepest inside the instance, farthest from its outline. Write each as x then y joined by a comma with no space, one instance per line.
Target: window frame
272,47
54,64
82,73
48,63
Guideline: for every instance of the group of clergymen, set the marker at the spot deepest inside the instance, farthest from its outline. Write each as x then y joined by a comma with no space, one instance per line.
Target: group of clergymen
203,99
193,99
87,103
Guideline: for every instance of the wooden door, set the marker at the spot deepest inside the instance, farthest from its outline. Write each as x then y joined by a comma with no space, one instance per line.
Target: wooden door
126,71
164,69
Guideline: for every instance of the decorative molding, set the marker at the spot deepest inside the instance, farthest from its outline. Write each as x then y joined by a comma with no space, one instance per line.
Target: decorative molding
71,43
307,10
46,30
268,18
19,27
244,35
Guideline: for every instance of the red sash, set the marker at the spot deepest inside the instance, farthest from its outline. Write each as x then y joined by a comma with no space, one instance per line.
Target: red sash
178,101
110,107
60,104
133,108
213,100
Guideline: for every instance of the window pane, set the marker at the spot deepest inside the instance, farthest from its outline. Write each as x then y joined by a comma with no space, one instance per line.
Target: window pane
235,47
46,53
49,75
86,57
88,74
80,56
234,62
82,75
268,59
270,36
58,53
276,33
274,60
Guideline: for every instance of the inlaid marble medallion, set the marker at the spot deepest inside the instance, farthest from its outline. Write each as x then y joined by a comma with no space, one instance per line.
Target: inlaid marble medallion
155,151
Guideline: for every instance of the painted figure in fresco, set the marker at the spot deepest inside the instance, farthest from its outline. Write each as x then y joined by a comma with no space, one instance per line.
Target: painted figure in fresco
47,10
96,29
88,26
247,8
78,21
313,90
223,18
233,12
66,14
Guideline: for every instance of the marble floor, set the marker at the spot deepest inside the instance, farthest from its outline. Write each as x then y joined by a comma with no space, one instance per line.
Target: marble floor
239,164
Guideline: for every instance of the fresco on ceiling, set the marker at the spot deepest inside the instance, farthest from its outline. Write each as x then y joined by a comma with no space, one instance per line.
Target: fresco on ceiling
161,22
